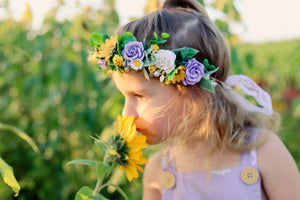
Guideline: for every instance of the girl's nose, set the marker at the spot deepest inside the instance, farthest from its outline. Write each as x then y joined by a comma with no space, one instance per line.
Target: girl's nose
129,109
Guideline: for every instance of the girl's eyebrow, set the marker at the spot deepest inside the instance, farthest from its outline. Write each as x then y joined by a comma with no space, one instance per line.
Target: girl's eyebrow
143,91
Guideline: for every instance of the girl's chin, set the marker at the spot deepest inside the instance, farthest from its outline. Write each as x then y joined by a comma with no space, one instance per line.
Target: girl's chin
151,141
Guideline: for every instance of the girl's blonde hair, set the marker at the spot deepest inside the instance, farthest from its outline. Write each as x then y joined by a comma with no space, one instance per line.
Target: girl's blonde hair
205,115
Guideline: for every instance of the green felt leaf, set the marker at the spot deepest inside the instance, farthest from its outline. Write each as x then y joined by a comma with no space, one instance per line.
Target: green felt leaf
161,41
170,76
165,35
211,72
105,36
128,37
119,46
155,35
96,38
146,74
149,62
153,41
186,53
206,84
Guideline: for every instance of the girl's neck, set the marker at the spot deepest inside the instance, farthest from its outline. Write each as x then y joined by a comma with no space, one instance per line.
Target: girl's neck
189,158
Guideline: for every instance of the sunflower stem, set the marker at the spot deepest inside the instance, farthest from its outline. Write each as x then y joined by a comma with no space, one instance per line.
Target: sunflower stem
119,189
100,181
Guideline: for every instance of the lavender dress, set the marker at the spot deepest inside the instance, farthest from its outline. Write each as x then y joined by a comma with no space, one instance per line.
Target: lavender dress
225,184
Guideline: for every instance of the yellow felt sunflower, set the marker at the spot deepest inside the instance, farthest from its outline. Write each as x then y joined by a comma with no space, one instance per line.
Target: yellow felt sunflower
107,47
126,147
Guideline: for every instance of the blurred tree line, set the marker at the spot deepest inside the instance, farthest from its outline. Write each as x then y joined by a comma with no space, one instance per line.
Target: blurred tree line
50,91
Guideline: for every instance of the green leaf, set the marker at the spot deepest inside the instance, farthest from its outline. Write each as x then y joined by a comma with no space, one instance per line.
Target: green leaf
83,162
127,37
165,35
21,134
155,35
161,41
101,145
96,38
102,169
8,176
170,77
148,51
146,74
144,42
186,53
206,84
149,62
86,193
211,72
154,41
119,44
105,36
112,66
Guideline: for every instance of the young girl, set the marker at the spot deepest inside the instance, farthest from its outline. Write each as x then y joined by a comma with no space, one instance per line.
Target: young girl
219,146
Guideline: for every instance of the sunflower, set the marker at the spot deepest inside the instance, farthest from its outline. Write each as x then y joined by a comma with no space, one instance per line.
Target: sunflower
126,147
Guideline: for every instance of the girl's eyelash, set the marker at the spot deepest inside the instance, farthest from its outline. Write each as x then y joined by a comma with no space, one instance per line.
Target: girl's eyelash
138,95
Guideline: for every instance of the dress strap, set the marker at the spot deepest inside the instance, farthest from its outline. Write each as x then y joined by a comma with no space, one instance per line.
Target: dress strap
250,156
167,160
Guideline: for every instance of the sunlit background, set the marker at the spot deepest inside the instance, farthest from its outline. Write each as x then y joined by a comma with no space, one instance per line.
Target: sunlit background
51,92
262,20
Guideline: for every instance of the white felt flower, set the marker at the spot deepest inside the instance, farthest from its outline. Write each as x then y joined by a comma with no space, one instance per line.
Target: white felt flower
165,60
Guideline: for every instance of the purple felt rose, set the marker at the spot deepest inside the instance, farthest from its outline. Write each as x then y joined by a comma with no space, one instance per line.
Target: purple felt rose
103,64
194,72
133,50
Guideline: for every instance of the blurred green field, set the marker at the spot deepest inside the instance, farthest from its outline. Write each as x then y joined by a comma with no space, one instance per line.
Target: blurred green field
50,91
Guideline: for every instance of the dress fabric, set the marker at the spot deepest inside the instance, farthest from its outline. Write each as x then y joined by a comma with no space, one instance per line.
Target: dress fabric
225,184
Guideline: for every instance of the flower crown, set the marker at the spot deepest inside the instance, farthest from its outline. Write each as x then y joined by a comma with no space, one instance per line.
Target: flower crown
123,53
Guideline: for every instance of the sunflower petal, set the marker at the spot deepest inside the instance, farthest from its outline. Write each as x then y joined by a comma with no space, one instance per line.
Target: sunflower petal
139,168
131,171
138,141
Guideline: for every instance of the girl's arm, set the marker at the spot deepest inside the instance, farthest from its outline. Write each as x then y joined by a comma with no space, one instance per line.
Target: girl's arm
279,172
152,178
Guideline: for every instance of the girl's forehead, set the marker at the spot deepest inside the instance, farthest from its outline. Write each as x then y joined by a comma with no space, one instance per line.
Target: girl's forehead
133,81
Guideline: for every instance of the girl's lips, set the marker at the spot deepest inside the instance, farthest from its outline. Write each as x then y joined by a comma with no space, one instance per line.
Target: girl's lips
140,130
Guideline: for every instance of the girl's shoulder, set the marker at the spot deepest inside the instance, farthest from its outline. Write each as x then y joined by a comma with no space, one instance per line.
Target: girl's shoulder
272,150
279,172
152,178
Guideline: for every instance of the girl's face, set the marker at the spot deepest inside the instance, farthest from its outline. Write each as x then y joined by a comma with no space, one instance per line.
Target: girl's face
142,101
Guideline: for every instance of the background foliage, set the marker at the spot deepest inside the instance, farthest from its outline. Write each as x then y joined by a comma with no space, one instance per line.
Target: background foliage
50,91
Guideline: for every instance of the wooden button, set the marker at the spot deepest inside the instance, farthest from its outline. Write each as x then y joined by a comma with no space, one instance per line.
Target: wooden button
249,175
169,180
